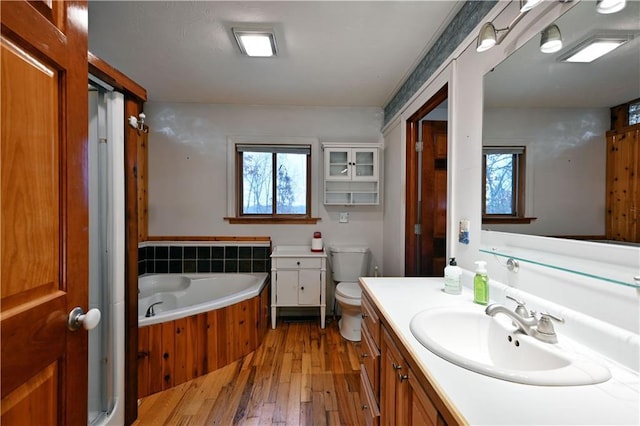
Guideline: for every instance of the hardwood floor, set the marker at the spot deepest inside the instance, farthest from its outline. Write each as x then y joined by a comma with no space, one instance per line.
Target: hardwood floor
301,375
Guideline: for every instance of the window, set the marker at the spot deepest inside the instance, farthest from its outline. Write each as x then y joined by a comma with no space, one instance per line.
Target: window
504,183
271,180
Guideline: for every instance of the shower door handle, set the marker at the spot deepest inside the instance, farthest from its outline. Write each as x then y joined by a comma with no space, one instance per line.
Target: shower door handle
88,321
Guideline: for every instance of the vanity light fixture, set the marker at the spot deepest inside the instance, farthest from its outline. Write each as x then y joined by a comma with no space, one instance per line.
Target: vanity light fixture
610,6
550,39
592,49
256,42
488,36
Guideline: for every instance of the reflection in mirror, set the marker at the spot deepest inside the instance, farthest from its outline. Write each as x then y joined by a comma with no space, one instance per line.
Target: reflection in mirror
560,113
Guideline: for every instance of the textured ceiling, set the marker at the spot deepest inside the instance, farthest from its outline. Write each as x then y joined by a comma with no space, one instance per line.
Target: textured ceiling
331,53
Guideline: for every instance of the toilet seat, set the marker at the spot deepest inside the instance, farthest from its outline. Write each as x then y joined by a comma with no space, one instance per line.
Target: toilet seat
350,291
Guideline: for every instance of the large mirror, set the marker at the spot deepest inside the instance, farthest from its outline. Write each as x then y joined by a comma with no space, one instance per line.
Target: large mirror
560,112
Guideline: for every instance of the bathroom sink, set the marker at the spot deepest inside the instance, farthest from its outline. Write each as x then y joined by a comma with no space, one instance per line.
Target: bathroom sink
467,337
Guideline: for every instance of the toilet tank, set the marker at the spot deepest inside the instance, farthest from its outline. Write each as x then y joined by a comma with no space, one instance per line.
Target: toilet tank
348,263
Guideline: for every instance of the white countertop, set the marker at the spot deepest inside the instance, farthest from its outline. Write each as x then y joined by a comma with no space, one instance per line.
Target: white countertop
484,400
297,251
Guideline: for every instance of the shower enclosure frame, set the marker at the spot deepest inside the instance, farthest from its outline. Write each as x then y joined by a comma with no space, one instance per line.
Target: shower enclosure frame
106,253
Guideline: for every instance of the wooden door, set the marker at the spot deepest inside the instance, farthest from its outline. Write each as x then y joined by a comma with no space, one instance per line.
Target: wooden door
43,204
434,198
426,191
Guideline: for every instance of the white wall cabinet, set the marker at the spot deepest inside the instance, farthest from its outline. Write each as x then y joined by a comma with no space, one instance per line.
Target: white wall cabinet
351,174
298,278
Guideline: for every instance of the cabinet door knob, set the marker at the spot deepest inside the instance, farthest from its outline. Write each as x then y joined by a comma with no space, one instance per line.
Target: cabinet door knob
365,407
301,288
363,315
396,366
364,355
403,377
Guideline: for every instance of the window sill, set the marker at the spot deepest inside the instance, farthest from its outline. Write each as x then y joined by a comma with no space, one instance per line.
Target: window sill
272,220
507,220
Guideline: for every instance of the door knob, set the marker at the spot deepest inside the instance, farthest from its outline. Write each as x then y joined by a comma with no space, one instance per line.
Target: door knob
88,321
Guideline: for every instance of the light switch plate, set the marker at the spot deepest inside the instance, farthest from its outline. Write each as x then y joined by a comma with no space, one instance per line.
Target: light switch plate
344,217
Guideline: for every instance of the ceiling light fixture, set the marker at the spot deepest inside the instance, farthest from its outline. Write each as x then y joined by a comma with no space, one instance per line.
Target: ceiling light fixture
550,39
527,5
610,6
256,42
593,48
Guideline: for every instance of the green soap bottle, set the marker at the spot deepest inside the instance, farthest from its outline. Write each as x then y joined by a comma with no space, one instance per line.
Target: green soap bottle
481,284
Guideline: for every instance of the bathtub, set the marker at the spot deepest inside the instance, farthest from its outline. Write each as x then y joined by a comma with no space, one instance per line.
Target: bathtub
183,295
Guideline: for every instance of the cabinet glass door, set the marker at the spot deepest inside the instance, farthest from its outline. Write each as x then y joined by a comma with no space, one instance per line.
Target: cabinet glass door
337,166
365,164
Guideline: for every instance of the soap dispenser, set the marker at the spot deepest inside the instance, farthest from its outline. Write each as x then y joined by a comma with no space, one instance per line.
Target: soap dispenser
481,284
452,273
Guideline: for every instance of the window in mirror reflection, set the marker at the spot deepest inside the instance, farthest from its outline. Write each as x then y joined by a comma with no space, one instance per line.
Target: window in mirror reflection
504,182
634,113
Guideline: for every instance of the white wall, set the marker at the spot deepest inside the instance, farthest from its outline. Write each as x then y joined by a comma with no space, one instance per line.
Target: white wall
394,202
611,304
188,170
565,174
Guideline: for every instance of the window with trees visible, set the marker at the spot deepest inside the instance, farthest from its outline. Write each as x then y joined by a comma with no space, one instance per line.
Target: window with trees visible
273,181
504,182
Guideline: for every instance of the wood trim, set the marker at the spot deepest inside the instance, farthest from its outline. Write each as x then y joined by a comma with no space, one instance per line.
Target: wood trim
272,220
142,189
506,219
132,107
207,238
114,77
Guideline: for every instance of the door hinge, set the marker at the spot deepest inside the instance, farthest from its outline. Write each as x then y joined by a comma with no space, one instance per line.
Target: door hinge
102,140
417,229
419,146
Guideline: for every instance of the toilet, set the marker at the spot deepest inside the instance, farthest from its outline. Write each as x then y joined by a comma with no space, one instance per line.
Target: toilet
348,263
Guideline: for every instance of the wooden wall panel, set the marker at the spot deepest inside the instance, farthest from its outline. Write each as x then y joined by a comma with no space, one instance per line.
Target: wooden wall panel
155,358
168,354
623,184
177,351
180,351
143,361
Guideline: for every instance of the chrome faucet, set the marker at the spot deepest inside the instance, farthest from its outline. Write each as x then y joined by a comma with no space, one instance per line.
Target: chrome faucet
150,311
527,323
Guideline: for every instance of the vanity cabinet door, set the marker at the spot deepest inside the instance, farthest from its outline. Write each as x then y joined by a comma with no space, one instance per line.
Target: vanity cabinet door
421,409
370,359
368,403
309,287
287,288
394,387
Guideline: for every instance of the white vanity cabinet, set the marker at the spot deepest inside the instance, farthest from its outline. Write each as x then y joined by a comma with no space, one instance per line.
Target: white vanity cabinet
351,174
298,277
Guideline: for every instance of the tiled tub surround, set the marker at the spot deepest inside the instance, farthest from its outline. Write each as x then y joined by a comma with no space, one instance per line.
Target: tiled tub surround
202,257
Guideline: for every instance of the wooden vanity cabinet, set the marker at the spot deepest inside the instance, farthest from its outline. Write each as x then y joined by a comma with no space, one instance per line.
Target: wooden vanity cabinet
370,359
391,392
403,400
